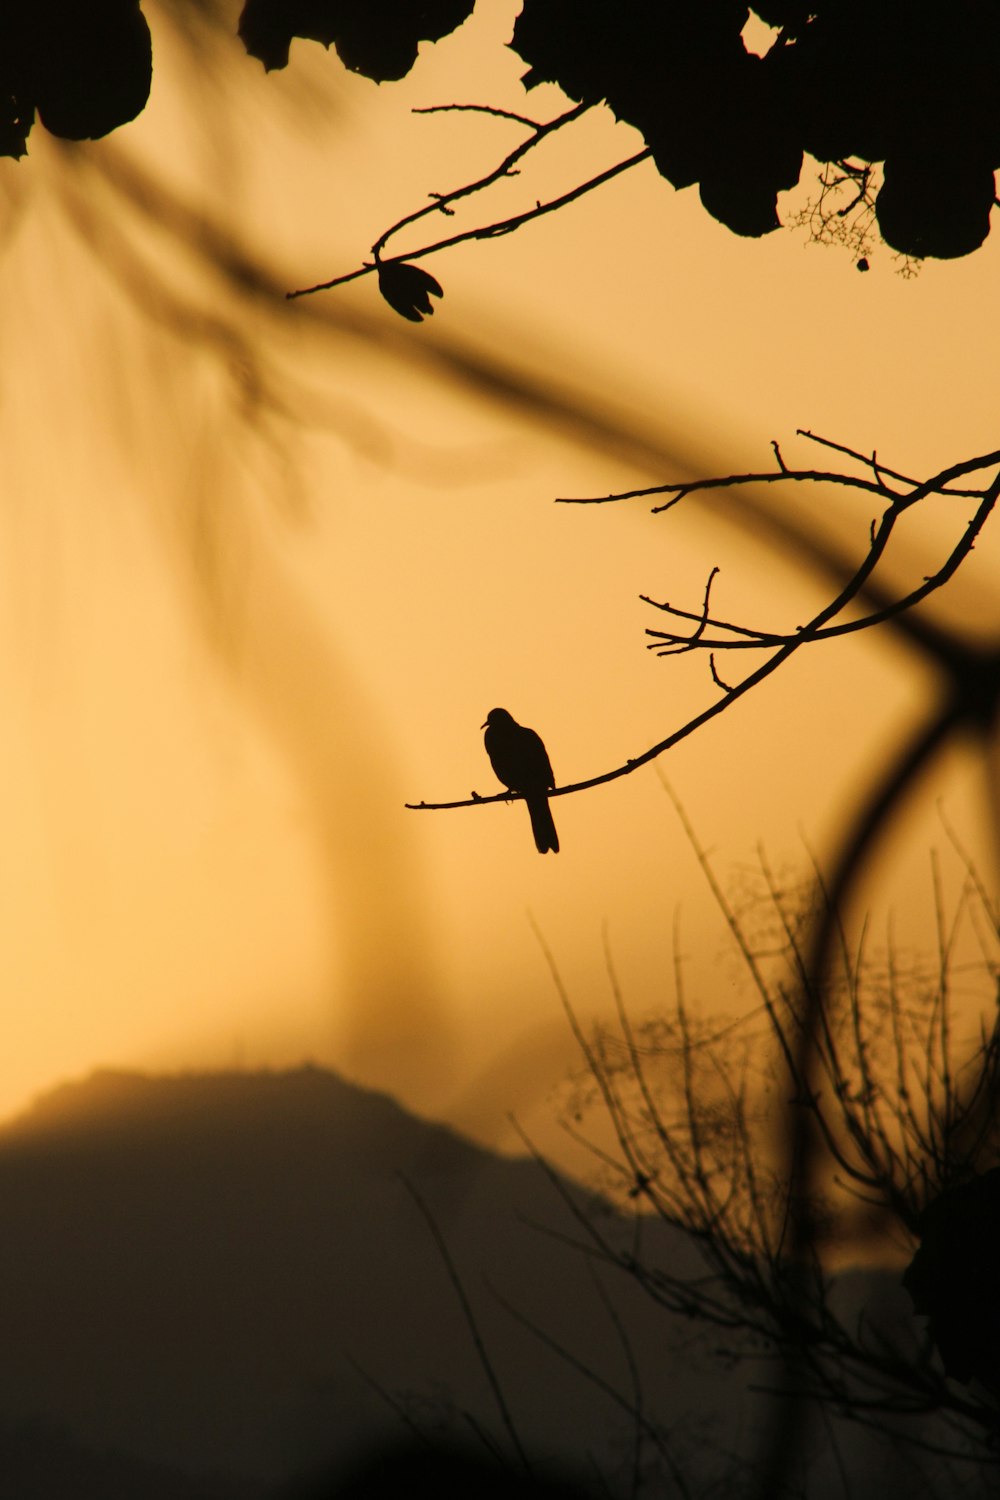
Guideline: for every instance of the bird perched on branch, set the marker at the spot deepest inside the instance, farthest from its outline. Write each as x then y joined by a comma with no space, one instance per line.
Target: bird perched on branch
521,762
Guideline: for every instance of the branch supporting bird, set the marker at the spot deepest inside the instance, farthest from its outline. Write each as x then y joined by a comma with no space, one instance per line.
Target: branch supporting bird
521,762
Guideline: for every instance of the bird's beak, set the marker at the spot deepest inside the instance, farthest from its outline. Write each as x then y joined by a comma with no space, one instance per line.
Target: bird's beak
483,726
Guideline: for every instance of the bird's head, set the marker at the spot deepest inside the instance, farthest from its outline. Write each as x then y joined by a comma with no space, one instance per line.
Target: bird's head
498,718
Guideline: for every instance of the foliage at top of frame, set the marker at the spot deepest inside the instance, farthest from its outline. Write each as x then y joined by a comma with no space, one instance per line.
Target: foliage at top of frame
905,82
378,38
908,83
82,69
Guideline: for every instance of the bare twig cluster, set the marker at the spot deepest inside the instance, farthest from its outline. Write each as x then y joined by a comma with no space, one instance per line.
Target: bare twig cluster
901,1104
843,213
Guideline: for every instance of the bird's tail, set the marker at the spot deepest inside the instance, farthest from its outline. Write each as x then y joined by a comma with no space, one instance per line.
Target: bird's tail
542,825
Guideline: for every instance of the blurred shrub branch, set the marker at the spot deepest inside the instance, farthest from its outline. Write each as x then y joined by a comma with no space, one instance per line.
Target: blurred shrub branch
894,1103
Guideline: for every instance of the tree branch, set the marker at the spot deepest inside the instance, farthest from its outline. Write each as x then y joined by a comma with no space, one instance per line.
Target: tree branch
815,476
820,627
442,202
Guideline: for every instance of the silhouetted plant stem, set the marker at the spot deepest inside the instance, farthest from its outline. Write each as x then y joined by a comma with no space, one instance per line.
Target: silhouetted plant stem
881,1108
824,624
648,1428
484,231
489,1369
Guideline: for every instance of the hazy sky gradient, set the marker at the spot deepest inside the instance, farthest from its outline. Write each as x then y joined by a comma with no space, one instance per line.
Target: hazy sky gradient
231,651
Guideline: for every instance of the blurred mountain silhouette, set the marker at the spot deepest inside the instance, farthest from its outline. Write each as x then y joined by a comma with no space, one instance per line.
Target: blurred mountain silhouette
41,1461
224,1275
188,1266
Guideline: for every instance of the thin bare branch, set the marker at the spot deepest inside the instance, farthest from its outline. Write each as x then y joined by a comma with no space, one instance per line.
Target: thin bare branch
483,231
485,1361
981,679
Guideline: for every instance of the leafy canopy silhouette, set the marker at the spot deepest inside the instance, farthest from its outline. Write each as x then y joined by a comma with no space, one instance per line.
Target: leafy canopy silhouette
378,38
82,69
906,83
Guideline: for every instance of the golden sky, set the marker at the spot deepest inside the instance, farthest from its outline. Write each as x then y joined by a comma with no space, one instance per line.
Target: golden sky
232,647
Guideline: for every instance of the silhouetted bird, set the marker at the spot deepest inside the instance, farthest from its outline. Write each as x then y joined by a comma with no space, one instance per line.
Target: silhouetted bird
521,762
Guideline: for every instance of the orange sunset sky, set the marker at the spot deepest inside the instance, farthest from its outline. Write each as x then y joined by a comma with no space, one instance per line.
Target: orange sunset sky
256,596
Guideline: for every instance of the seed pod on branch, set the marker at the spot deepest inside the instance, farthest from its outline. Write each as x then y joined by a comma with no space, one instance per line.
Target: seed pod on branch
408,289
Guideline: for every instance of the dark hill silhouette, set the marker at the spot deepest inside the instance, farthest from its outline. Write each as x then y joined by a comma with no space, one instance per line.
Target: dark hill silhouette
189,1265
39,1461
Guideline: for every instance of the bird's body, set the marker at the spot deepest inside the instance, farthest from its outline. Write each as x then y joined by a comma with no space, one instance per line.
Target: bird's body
521,762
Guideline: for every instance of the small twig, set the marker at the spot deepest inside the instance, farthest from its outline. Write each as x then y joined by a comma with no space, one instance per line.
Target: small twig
878,487
700,630
577,1364
725,686
680,491
391,1401
484,109
503,169
634,1374
483,232
470,1319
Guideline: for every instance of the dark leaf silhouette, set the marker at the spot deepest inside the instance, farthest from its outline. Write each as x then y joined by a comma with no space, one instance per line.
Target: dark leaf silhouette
953,1278
709,112
16,121
378,38
938,207
738,125
84,69
408,289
